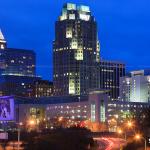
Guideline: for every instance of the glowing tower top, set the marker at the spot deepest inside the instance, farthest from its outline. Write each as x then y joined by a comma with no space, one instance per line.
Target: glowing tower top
2,41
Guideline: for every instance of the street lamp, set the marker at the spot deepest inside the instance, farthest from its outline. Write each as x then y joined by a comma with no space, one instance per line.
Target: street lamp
19,125
138,137
60,119
31,122
129,124
121,132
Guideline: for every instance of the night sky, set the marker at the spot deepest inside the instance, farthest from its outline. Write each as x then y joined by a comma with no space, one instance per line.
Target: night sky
124,29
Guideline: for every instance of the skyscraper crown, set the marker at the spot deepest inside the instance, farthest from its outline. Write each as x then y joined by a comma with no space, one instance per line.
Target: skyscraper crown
2,41
1,36
72,11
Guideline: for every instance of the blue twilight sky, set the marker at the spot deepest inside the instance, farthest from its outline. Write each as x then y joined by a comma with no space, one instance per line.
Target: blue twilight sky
124,29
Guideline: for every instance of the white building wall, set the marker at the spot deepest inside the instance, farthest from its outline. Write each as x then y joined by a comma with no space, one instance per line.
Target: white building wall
125,87
76,110
135,88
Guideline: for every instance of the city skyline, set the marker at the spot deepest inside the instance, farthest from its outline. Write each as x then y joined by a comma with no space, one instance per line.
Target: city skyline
112,18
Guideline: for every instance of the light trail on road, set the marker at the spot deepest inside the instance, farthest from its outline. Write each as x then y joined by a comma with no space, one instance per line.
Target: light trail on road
106,143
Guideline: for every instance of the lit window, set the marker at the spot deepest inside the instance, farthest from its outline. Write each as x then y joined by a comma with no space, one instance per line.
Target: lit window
12,61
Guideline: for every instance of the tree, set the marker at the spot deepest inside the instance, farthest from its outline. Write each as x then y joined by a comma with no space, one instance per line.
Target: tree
62,139
142,119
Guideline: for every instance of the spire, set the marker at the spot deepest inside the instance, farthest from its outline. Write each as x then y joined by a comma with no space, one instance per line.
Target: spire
2,41
1,36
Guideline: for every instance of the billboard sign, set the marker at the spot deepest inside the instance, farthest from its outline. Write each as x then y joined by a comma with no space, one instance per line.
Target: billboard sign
6,108
4,136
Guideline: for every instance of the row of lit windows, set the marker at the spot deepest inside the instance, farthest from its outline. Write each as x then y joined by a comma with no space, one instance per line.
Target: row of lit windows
65,107
66,48
66,74
105,70
128,105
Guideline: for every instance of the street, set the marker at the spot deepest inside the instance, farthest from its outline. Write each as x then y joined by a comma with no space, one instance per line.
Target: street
106,143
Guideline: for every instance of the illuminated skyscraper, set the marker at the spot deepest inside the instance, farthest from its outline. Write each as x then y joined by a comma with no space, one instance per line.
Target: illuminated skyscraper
76,50
16,61
2,47
19,62
17,70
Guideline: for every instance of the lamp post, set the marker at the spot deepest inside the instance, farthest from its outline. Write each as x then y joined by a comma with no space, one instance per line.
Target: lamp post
19,124
129,125
121,132
31,123
18,138
138,137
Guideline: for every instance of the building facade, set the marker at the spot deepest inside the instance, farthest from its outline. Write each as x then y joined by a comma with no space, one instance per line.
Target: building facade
17,85
109,73
43,88
75,51
18,62
76,48
135,88
96,107
18,73
93,109
17,70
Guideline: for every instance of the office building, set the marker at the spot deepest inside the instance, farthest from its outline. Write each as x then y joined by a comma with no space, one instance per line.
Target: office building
75,51
18,85
109,73
17,70
43,88
18,62
136,87
76,48
15,61
96,108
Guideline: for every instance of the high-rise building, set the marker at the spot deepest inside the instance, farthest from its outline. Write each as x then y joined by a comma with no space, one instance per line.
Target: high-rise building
135,88
18,62
2,47
14,61
76,49
42,88
18,73
17,85
109,73
17,70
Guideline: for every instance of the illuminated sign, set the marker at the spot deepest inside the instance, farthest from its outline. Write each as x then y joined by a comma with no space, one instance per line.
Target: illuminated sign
4,136
6,108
